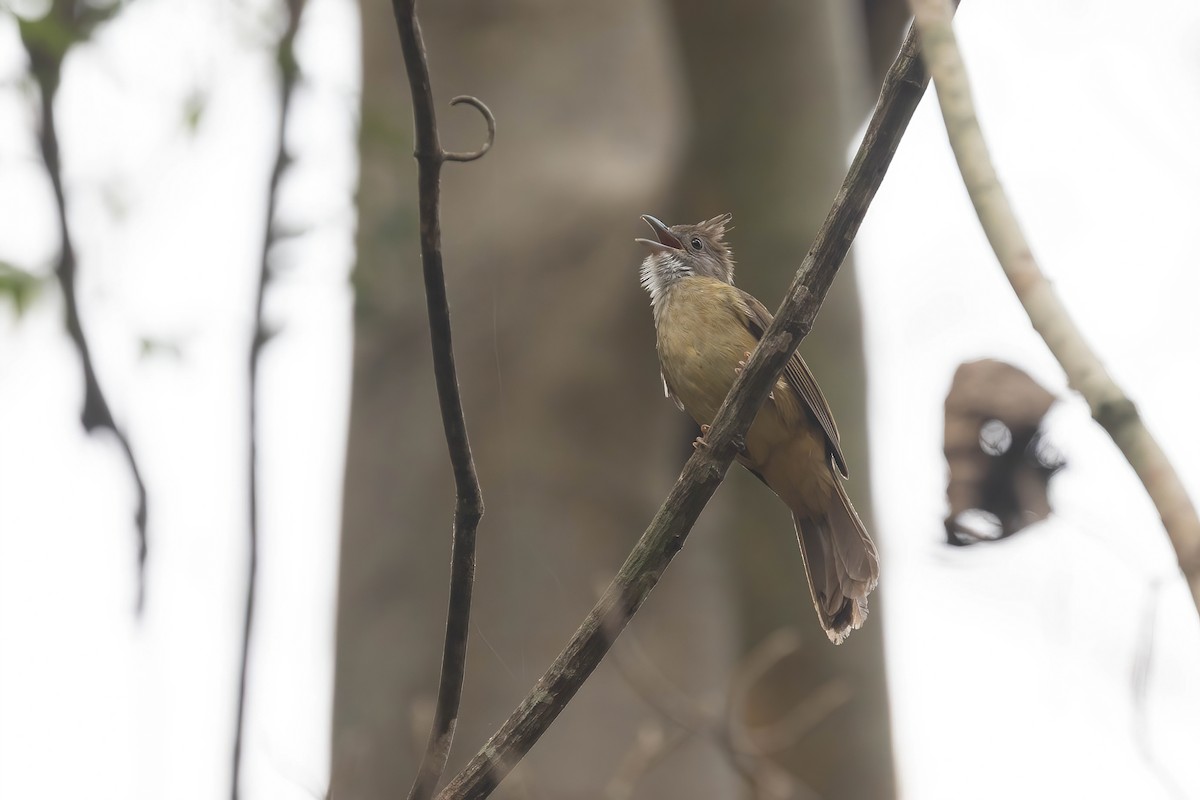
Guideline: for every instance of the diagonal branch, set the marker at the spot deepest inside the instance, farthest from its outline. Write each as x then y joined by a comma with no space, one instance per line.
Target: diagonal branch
47,41
1110,406
702,474
468,505
289,75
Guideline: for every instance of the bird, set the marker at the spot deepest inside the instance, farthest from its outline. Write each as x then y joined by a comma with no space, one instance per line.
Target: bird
705,329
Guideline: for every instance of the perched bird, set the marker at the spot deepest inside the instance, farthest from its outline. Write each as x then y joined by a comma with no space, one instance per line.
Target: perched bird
706,329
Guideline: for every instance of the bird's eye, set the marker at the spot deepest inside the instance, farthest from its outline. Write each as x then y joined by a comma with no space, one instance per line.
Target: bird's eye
697,244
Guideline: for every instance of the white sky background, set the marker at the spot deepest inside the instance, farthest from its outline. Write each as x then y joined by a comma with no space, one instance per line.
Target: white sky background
169,228
1009,665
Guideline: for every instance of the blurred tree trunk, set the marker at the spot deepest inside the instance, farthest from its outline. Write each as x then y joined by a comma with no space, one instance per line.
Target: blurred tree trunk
776,90
554,340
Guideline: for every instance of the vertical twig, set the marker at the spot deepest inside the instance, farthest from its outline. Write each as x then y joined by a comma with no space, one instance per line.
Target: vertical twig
47,42
289,75
702,474
1110,406
468,505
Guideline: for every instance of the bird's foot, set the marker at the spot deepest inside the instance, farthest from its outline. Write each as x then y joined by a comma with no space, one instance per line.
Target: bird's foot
701,443
742,365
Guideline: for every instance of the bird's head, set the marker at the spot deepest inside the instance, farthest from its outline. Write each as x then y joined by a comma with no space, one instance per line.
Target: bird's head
682,251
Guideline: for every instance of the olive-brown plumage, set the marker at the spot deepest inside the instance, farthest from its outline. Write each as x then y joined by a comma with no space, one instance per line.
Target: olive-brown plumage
705,328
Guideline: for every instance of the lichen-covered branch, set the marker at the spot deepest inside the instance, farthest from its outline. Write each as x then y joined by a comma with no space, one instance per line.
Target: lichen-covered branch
1110,406
468,505
702,474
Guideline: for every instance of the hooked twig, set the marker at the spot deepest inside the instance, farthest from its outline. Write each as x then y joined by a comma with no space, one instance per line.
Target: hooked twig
46,55
289,75
468,505
1110,406
702,474
491,130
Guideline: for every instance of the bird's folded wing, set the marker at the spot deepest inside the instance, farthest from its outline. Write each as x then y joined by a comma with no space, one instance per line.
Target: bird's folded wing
801,379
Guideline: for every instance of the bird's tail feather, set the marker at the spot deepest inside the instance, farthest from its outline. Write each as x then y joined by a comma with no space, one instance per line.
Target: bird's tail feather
842,564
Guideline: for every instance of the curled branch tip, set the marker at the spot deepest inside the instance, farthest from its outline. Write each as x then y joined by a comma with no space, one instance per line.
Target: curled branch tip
488,117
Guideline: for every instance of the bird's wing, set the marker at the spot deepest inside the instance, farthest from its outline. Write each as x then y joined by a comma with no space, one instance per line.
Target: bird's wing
800,377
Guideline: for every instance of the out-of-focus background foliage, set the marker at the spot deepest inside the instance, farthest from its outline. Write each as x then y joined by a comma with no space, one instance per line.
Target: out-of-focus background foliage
1008,667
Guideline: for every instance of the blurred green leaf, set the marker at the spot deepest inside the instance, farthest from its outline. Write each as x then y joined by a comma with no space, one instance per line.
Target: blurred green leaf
48,36
160,347
48,29
383,129
19,286
285,57
193,109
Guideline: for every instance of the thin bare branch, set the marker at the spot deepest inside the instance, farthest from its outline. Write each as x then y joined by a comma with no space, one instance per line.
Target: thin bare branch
747,749
669,701
771,738
47,41
651,745
702,474
468,505
289,76
1110,406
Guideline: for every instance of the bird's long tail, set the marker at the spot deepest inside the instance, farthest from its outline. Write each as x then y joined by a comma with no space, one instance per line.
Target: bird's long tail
842,564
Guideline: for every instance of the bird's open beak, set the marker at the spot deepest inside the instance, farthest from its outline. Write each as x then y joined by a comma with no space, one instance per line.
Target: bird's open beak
666,240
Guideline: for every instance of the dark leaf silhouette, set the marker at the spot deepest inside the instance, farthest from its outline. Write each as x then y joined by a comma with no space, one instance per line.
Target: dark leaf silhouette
1000,463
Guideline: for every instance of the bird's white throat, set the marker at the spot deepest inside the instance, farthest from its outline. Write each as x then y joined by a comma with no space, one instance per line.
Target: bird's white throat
659,272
